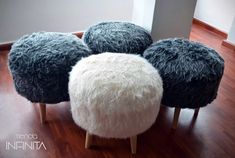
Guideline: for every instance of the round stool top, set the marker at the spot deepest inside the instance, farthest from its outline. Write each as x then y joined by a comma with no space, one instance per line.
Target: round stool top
191,72
114,95
119,37
40,64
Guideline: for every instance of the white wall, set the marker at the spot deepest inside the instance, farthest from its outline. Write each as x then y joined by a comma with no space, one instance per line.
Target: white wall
143,11
217,13
231,34
19,17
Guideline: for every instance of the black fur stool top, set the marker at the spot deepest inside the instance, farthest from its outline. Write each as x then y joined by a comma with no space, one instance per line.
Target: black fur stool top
119,37
191,73
40,64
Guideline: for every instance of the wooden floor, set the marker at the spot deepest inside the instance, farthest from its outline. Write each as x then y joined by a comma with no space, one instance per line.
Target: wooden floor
211,135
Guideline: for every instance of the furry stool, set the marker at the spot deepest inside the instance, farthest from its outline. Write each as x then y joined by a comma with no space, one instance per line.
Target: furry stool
114,96
119,37
191,73
40,64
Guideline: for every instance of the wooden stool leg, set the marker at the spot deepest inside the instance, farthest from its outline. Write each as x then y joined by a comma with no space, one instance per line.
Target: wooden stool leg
133,141
88,140
42,112
196,112
176,117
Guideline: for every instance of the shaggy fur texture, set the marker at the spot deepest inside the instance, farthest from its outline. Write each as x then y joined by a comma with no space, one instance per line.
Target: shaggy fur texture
191,72
119,37
40,63
115,95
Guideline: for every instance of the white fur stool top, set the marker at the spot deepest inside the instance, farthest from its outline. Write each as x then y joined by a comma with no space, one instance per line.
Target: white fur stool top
114,95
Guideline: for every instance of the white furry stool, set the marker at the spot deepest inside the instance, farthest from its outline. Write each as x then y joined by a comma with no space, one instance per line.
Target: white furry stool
114,95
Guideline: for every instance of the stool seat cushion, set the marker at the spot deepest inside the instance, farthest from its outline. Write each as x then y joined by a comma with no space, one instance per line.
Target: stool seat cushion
40,64
115,95
191,72
119,37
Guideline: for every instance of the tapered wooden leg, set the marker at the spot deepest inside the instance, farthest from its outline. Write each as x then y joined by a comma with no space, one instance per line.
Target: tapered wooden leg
42,112
176,117
196,112
88,140
133,141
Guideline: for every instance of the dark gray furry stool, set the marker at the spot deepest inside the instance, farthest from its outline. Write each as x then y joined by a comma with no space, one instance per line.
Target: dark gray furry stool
119,37
191,73
40,64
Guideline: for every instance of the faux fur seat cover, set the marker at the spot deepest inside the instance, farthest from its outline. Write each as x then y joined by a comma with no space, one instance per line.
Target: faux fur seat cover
115,95
40,64
191,72
119,37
